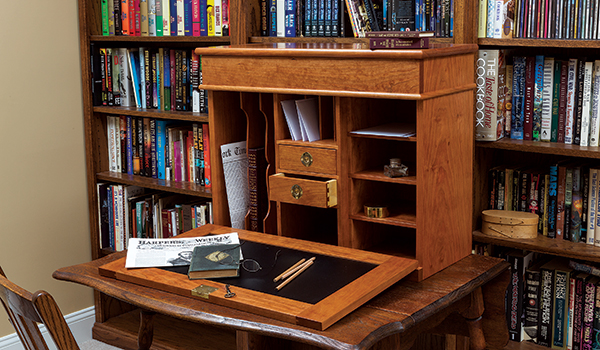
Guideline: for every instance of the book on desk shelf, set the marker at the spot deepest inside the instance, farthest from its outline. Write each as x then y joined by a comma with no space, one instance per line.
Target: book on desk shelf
407,34
215,261
398,43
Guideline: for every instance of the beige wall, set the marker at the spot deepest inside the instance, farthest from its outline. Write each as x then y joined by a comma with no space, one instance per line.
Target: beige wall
43,211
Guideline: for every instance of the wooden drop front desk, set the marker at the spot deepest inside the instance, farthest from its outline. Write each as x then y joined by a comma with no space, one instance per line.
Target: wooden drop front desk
466,298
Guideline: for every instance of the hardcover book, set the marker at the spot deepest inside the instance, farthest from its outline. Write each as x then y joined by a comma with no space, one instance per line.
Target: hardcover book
398,43
215,261
488,127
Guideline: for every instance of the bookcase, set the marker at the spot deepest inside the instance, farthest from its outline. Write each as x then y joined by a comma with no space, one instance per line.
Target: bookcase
508,151
255,117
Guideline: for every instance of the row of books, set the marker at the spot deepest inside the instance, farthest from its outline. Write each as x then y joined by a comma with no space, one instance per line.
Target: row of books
161,149
325,18
164,79
553,302
296,18
135,212
565,196
537,98
165,17
402,15
555,19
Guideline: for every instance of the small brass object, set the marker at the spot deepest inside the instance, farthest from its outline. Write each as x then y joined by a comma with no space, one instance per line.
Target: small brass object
306,159
296,191
203,291
375,211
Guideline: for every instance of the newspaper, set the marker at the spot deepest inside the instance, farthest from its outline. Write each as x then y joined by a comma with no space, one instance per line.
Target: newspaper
235,170
158,252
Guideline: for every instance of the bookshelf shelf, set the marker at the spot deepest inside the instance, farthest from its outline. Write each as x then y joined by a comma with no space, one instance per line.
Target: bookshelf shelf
153,113
188,188
543,147
550,43
198,40
405,219
543,244
377,175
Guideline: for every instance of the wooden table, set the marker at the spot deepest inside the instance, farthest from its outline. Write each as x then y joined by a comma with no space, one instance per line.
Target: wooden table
466,299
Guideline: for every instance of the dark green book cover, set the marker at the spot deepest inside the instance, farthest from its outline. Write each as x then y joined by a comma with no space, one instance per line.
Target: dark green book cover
215,261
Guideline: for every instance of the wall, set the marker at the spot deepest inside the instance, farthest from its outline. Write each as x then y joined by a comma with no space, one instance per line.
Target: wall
43,210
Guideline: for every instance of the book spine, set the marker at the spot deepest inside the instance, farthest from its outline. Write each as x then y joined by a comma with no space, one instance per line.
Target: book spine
307,18
596,322
528,99
547,99
516,129
586,105
569,119
555,101
514,311
397,43
491,19
560,202
173,17
290,18
592,205
562,96
576,206
218,17
508,100
579,102
181,17
595,98
207,174
546,296
166,17
531,304
571,311
537,97
561,288
588,316
487,128
568,203
552,201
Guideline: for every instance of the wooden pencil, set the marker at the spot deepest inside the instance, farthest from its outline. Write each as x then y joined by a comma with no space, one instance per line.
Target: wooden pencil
305,266
292,268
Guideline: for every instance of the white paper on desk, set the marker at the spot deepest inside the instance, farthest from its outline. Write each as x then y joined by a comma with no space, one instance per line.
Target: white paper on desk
235,170
291,117
308,114
176,251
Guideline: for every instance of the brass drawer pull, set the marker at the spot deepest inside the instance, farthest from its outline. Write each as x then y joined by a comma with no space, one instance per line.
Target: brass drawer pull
306,159
296,191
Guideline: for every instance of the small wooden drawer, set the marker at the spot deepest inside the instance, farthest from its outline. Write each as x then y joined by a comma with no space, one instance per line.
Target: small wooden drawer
313,193
307,159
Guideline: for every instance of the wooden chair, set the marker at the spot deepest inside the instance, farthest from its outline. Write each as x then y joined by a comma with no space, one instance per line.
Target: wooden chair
25,310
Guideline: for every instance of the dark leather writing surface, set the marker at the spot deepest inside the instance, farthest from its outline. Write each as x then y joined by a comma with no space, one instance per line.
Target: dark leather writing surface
326,275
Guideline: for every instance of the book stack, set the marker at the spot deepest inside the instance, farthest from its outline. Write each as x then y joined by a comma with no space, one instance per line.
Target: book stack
165,17
302,117
399,40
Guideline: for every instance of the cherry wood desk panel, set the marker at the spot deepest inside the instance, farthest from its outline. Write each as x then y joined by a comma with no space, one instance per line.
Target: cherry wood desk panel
450,301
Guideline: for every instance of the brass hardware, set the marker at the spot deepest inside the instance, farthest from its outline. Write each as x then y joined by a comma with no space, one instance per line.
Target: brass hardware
306,159
203,291
296,191
376,211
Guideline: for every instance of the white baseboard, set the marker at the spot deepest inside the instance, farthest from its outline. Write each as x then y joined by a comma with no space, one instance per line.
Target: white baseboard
80,322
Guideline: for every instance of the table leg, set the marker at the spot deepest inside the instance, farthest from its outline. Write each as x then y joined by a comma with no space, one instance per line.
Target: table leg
146,332
473,316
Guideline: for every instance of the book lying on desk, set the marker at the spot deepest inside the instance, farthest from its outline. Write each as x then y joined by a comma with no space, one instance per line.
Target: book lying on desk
215,261
159,252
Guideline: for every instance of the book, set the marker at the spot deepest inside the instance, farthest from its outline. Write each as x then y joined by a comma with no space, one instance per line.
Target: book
487,125
569,117
586,104
516,129
257,186
215,261
537,97
400,34
531,302
546,304
398,43
555,100
595,109
547,98
592,205
587,323
528,98
578,308
519,261
561,304
206,144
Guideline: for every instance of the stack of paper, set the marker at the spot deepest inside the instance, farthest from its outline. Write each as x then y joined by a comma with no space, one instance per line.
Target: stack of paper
302,117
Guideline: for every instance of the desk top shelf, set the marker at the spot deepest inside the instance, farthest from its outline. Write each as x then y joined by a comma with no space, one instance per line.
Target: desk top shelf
337,70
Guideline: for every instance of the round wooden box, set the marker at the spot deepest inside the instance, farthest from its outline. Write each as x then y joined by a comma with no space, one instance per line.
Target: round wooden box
508,223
